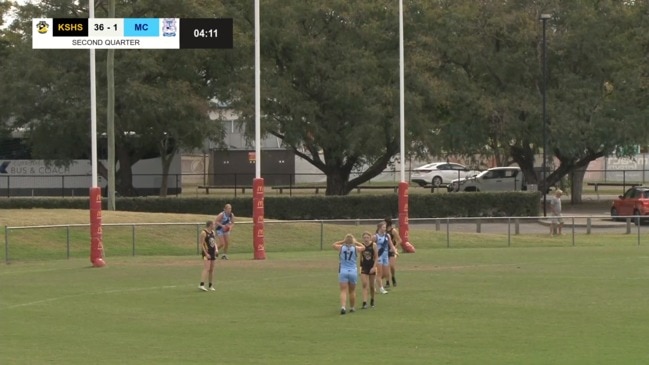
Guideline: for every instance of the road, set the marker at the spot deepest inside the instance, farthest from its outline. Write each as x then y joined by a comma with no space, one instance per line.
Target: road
526,225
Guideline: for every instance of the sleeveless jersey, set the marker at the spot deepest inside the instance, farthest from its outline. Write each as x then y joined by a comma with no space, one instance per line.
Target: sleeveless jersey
225,220
210,242
367,259
392,235
348,258
382,243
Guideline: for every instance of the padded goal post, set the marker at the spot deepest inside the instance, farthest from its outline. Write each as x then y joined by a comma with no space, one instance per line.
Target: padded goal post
96,234
403,218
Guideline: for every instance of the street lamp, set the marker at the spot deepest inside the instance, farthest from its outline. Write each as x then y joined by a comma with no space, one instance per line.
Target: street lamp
544,18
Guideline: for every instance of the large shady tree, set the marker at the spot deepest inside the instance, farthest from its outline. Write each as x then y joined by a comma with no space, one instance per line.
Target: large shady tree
330,85
162,96
489,56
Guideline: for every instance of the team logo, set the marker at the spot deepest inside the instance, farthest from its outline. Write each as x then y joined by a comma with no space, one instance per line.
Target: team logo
42,27
168,27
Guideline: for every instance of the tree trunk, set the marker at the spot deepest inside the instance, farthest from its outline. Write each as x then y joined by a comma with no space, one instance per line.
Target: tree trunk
125,180
338,173
337,182
166,157
102,170
577,184
524,157
165,173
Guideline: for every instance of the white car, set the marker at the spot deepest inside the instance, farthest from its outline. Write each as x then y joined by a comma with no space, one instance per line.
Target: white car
494,179
440,173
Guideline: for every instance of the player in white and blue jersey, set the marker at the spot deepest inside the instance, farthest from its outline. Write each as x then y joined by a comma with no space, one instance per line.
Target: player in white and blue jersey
348,250
384,245
224,222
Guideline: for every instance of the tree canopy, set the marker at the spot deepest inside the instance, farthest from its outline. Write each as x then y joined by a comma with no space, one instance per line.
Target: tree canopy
473,81
330,82
162,95
330,85
489,55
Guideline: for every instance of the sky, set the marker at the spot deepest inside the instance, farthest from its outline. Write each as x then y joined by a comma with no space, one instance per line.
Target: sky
9,17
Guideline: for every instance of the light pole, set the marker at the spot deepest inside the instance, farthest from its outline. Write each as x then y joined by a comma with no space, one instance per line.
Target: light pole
544,19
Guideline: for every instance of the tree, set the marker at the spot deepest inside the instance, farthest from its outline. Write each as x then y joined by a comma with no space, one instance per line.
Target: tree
604,108
162,95
5,50
330,85
488,55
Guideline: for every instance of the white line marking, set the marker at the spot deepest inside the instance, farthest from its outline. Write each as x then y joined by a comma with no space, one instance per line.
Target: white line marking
84,294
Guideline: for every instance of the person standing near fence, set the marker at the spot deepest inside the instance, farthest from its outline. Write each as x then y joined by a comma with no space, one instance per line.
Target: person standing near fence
555,209
224,222
369,259
348,250
210,253
392,254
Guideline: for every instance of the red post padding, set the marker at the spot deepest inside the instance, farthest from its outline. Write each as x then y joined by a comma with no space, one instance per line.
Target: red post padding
258,219
403,218
96,236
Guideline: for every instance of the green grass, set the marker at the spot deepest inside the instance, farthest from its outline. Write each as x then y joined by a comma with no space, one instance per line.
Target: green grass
181,239
520,305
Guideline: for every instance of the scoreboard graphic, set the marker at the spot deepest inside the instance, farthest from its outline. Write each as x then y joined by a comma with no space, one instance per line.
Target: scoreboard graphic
132,33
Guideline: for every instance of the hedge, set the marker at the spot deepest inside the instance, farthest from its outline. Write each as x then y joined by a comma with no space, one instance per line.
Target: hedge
317,207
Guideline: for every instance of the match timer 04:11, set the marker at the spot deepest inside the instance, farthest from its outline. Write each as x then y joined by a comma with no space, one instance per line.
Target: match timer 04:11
206,33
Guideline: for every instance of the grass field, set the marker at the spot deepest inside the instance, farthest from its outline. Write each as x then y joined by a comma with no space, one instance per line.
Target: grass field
583,305
179,238
540,301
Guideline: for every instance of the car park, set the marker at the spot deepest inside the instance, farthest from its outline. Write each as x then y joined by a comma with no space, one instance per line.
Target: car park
440,173
634,202
493,179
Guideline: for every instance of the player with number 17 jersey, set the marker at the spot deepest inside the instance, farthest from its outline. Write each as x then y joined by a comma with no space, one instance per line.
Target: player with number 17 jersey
348,250
348,267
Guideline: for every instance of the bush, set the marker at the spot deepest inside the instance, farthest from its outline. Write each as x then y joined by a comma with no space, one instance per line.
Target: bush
317,207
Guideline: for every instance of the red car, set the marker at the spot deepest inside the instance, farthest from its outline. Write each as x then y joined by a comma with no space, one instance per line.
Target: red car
634,202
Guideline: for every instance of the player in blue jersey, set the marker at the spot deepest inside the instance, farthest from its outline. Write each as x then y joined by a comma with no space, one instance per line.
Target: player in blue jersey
224,222
348,250
384,246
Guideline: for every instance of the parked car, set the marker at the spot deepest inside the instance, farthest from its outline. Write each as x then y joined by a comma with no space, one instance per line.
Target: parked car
439,173
635,201
493,179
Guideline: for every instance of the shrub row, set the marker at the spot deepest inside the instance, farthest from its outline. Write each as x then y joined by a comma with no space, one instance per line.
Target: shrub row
318,207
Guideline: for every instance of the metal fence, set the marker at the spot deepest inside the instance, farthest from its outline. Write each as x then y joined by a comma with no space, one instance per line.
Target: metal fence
78,185
239,183
182,239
